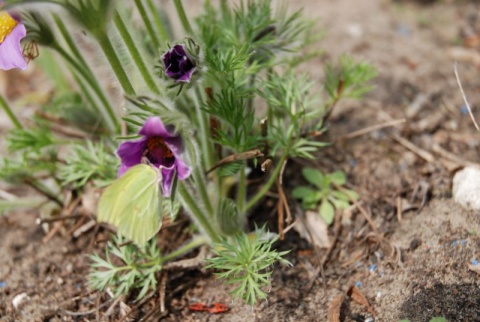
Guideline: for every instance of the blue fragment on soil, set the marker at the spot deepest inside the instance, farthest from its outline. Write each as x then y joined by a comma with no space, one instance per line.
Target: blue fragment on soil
474,262
358,284
454,243
372,267
463,242
464,109
3,284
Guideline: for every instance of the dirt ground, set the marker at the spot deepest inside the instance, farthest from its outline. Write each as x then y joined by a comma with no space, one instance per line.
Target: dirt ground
410,261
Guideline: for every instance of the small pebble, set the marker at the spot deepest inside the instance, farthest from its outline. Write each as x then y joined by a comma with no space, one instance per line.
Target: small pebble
466,188
18,299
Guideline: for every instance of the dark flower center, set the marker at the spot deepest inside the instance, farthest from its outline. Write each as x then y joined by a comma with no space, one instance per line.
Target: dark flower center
158,152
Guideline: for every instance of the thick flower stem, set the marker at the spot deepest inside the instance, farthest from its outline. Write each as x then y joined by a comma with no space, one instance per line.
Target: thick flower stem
241,189
202,188
112,120
162,33
109,117
10,113
194,243
259,195
198,215
117,67
204,129
183,16
148,24
135,53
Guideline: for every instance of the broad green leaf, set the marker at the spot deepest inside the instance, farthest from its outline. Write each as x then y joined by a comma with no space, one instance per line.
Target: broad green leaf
302,192
338,178
313,176
133,204
352,194
327,212
339,203
340,195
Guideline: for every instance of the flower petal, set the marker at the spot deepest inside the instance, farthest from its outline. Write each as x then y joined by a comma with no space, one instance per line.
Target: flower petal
183,170
11,55
131,154
154,127
167,179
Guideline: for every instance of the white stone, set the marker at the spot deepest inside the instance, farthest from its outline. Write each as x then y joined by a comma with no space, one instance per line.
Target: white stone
466,188
19,299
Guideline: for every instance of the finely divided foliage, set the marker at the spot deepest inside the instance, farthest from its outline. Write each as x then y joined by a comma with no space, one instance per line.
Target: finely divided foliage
190,118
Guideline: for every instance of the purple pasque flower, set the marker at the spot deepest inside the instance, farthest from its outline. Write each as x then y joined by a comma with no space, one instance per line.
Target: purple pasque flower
178,65
161,148
11,32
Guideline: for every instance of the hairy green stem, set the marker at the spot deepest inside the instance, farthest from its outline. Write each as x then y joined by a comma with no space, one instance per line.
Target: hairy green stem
204,129
117,66
113,123
198,215
135,53
273,176
162,33
10,113
194,243
183,16
241,189
201,185
148,23
109,114
40,187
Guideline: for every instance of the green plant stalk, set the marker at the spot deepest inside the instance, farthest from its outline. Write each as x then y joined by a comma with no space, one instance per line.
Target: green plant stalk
135,53
40,187
241,189
204,129
10,113
274,175
148,23
201,185
194,243
113,123
191,205
183,16
158,23
117,67
109,116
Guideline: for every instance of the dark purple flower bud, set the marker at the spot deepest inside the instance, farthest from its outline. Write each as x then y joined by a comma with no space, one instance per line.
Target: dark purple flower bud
178,65
161,148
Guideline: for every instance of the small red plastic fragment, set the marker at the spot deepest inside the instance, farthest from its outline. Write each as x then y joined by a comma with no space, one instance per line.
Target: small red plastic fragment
218,308
199,307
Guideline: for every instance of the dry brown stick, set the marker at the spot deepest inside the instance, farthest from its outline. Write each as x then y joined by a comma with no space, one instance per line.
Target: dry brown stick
236,157
452,157
427,156
161,290
399,208
455,69
137,306
92,311
370,129
366,215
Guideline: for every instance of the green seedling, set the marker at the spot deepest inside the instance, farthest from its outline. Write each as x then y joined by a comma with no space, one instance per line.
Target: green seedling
327,193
